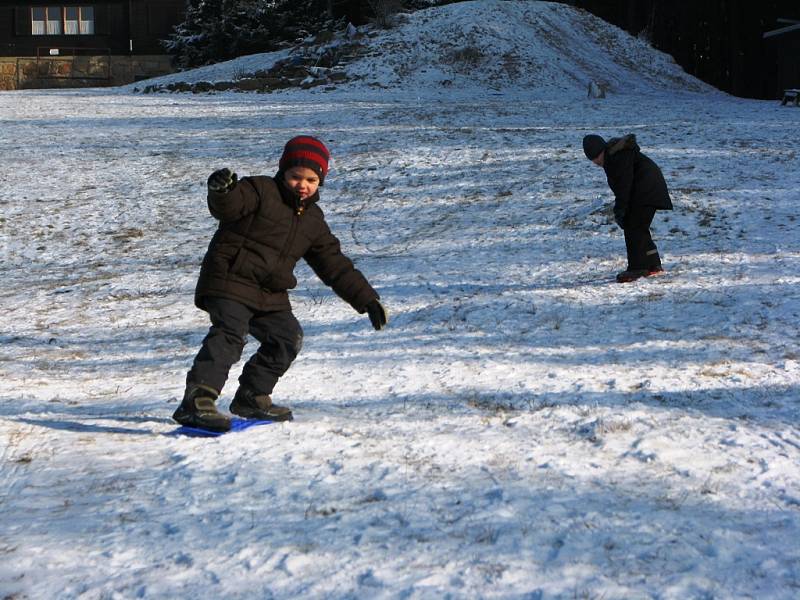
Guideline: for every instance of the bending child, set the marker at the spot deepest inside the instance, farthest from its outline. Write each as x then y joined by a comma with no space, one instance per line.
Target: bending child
640,190
266,224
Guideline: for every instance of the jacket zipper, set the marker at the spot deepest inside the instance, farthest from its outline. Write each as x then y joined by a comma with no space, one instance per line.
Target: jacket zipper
290,237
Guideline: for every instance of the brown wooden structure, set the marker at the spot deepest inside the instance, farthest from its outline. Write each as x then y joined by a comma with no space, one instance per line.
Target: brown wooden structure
785,43
73,43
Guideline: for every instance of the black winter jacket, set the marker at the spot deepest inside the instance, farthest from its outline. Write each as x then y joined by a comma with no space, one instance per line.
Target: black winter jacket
263,231
633,177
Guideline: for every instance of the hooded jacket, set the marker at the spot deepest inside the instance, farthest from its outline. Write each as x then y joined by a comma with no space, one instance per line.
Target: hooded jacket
264,229
634,178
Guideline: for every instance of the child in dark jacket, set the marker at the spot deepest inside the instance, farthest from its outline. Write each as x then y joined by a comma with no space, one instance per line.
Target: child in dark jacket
640,190
266,224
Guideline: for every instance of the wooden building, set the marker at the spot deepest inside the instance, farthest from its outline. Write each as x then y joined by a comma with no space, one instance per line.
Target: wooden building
784,42
84,43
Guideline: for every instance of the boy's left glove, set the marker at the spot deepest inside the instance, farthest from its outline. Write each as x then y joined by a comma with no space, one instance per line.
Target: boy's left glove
377,314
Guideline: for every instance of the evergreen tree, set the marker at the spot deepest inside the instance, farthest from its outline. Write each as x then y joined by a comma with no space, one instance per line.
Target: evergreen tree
217,30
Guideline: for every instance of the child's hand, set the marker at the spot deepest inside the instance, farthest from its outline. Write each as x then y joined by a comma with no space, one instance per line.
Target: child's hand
377,314
222,181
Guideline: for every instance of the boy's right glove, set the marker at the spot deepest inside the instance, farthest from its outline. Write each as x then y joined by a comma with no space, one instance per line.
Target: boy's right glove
222,181
377,314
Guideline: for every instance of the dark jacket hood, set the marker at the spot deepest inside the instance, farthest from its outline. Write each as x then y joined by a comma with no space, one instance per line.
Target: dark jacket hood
626,142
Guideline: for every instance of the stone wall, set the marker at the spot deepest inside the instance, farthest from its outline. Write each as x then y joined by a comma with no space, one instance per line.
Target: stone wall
25,72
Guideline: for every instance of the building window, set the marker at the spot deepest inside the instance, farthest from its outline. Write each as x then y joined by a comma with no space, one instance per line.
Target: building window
87,20
39,16
71,20
54,20
58,20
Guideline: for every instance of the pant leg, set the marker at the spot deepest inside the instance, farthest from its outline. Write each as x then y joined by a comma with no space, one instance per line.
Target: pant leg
641,249
281,338
223,345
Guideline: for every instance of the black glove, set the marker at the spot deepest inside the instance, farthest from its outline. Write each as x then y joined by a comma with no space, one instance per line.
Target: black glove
377,314
222,181
619,217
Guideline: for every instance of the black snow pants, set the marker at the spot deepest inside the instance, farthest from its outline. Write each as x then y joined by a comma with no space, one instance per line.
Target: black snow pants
642,251
279,333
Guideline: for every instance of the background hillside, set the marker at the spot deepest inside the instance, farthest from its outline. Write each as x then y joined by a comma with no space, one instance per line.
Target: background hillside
718,41
543,48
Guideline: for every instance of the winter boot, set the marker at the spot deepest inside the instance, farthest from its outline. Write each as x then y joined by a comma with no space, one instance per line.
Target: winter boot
655,271
631,275
250,405
198,409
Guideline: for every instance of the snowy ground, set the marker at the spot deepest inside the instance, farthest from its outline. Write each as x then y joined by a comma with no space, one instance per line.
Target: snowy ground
524,428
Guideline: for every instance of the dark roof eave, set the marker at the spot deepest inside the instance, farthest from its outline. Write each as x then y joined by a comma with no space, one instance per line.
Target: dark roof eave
781,31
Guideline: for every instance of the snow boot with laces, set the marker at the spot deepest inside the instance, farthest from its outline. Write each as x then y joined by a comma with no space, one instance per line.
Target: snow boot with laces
251,405
198,409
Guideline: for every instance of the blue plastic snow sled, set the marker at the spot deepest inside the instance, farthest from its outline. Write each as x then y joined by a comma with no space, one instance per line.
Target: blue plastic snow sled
236,425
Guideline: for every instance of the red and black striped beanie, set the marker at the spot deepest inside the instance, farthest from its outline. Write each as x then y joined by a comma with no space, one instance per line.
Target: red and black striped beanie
305,151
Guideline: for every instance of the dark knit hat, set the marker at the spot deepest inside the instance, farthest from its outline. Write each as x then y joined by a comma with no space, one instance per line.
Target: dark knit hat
305,151
593,146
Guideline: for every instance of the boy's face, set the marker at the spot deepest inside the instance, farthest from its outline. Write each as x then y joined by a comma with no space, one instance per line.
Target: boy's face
302,180
599,159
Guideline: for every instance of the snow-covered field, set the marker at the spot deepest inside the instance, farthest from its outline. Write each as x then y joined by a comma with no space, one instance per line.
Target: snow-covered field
523,429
